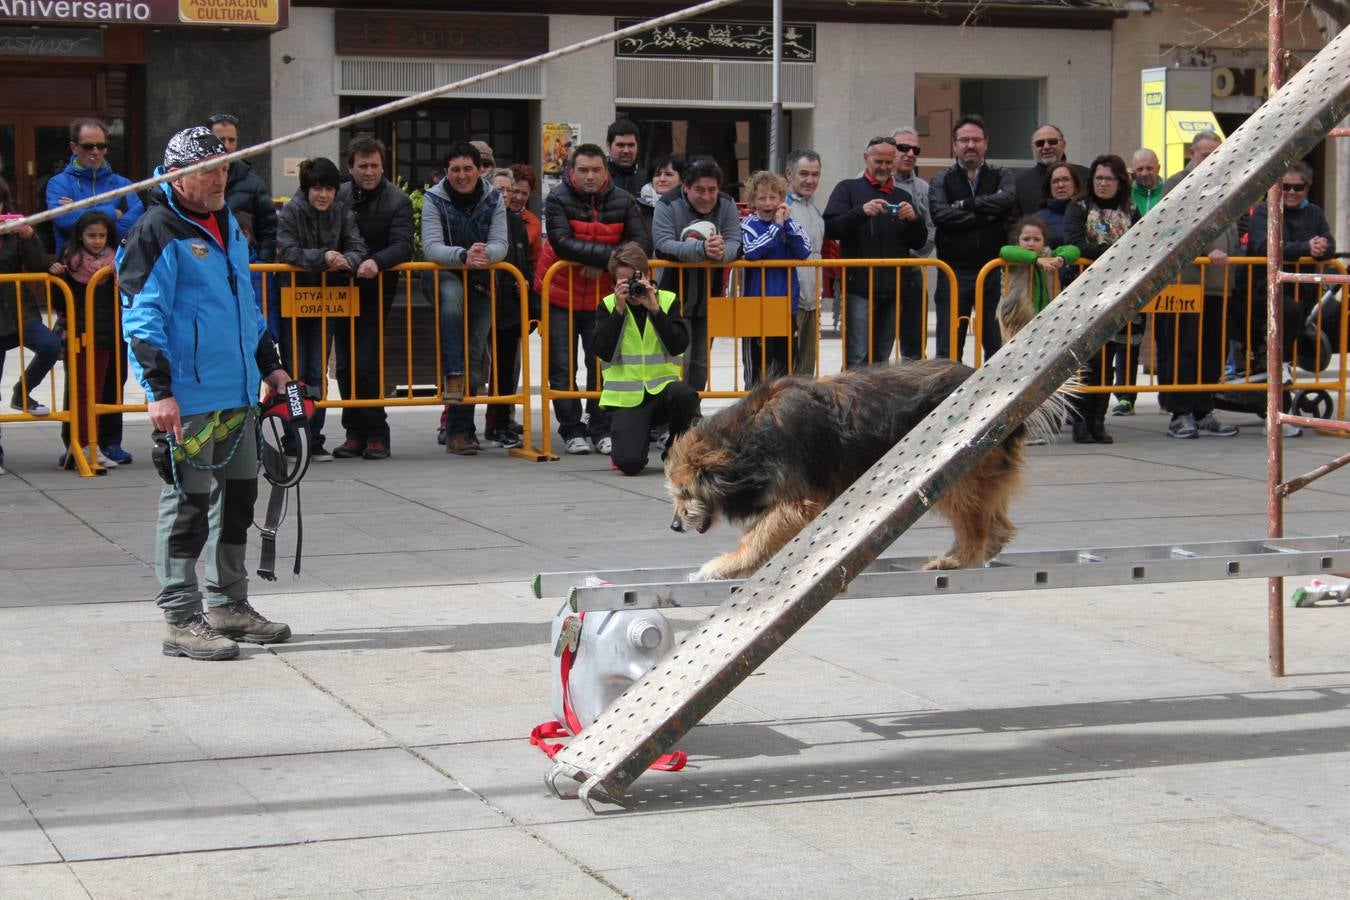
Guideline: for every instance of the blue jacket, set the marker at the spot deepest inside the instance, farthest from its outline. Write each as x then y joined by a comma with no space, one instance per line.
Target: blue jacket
189,314
766,240
78,183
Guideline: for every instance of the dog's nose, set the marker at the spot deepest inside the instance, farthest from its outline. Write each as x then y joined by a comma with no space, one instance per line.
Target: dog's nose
677,524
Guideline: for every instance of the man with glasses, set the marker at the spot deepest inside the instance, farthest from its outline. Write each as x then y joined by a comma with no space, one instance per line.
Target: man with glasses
1306,233
1048,146
872,217
87,174
973,204
245,191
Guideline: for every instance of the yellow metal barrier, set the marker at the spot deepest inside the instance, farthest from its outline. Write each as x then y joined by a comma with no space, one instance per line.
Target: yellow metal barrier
1243,320
65,302
728,314
331,328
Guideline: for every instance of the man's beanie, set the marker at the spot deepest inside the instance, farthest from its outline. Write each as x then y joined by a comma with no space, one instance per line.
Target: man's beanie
319,172
191,145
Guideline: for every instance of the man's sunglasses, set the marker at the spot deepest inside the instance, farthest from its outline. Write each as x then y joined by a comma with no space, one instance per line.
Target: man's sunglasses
87,147
1047,142
1292,188
908,148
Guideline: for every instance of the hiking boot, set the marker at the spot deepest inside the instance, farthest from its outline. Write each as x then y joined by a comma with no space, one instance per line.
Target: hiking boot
240,621
376,450
196,639
454,388
1183,427
349,449
461,445
1210,426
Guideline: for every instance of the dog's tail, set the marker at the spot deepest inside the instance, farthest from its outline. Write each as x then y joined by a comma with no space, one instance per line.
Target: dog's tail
1043,425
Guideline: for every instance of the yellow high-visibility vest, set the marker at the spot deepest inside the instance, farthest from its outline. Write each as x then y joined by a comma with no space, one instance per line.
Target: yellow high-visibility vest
641,365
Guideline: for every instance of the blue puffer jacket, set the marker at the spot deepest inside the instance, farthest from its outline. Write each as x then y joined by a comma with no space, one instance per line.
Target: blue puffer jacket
78,183
195,329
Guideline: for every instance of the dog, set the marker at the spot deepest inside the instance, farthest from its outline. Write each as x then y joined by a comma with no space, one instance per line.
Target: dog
770,463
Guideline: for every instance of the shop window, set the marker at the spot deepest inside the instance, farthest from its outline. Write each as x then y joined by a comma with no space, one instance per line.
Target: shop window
1010,108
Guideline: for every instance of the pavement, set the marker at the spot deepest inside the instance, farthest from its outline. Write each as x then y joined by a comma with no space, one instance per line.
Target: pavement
1075,743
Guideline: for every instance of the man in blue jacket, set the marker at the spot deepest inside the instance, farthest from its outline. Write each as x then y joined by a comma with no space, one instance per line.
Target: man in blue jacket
87,174
199,347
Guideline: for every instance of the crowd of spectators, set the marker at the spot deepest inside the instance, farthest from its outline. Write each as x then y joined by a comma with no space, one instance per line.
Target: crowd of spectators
356,225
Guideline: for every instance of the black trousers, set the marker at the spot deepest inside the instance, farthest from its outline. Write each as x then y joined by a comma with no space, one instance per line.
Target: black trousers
990,339
362,423
1194,354
506,350
631,426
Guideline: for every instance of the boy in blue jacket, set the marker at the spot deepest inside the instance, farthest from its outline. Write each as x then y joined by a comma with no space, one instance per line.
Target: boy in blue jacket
770,233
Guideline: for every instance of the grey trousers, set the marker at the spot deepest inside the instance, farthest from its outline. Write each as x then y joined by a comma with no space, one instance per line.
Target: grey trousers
214,515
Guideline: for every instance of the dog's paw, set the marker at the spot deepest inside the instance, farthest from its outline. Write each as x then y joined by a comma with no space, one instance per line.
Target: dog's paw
942,562
709,571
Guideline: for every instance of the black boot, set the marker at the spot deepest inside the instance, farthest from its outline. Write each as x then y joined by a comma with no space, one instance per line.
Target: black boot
1099,434
1081,433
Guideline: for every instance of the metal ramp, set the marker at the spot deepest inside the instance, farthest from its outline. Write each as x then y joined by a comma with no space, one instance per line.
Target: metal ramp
1032,570
828,555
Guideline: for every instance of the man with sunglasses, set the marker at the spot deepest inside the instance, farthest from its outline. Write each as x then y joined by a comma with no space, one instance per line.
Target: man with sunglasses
87,174
1048,147
245,191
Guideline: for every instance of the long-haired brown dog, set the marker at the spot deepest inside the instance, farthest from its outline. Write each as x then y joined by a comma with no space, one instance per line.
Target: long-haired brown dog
773,461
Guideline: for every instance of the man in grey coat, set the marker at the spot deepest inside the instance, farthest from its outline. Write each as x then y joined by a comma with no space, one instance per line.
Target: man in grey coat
699,199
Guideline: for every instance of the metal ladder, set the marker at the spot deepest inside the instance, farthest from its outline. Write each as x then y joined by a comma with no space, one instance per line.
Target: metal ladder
844,540
1031,570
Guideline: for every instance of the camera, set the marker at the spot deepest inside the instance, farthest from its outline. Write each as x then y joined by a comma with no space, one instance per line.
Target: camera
636,287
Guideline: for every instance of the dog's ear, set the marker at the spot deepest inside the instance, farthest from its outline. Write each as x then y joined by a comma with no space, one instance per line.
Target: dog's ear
714,467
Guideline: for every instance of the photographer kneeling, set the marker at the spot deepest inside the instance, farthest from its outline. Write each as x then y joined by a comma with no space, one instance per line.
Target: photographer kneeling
641,345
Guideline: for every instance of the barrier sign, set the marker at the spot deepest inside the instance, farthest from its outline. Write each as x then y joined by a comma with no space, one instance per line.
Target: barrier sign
1178,298
343,300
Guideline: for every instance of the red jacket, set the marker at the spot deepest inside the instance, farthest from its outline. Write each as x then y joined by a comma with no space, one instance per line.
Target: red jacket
585,229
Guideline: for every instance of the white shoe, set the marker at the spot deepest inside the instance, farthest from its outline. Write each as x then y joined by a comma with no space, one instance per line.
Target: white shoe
1286,373
604,445
577,446
95,453
1287,430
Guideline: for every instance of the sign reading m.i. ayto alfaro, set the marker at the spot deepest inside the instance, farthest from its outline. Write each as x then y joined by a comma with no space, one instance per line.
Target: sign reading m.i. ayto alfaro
233,13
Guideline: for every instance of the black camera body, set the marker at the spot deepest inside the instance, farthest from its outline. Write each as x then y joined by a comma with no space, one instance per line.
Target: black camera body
636,287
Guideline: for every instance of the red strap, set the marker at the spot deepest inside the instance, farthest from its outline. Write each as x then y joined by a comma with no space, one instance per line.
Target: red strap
544,732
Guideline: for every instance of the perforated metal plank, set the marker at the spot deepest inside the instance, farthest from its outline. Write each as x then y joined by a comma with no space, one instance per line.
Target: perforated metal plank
821,561
1027,571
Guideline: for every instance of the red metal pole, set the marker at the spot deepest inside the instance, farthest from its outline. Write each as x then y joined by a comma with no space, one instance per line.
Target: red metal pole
1274,354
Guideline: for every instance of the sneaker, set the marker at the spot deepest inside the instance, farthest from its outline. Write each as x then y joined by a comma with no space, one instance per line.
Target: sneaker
1210,426
1123,408
241,622
196,639
351,448
117,454
604,445
515,427
509,439
96,454
442,435
461,445
28,404
320,454
1036,442
1286,376
577,446
1183,427
1289,431
290,452
376,450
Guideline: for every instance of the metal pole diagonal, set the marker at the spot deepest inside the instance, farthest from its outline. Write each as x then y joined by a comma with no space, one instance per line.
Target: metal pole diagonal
373,112
821,561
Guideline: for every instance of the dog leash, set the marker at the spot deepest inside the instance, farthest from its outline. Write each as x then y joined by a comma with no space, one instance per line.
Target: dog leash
287,414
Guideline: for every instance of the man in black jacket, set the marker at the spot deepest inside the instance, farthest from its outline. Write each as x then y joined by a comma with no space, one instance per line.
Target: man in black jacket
621,140
1048,148
245,191
972,204
384,216
874,218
